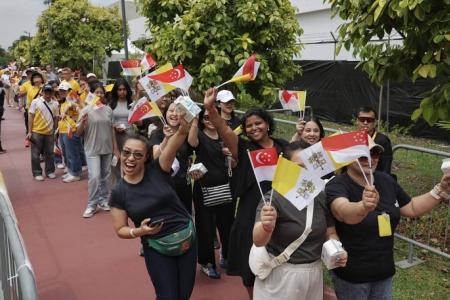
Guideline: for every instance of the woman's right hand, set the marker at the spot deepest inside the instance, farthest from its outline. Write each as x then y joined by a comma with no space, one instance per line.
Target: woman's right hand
268,218
145,229
300,126
210,98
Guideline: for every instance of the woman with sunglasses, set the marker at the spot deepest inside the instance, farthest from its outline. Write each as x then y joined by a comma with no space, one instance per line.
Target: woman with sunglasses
159,139
217,209
258,127
121,98
367,120
96,126
366,219
146,196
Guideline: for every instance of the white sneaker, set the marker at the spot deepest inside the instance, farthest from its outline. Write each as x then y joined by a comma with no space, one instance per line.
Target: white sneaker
89,212
39,178
104,206
71,178
60,166
51,175
65,176
66,170
84,168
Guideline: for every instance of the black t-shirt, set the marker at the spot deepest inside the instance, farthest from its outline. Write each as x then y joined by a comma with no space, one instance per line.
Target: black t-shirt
154,197
385,160
370,257
183,154
243,177
209,152
234,122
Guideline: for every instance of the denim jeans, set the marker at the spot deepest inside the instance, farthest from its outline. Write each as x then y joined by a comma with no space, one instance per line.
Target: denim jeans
72,149
41,143
99,169
377,290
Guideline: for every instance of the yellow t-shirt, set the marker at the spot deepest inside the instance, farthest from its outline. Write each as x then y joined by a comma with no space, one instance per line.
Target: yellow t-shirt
71,118
74,84
41,124
24,87
32,94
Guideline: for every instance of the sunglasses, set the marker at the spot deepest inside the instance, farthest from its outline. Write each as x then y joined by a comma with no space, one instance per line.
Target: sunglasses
366,119
136,155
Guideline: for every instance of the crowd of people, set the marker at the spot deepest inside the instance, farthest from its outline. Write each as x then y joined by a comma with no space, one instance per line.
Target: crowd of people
141,172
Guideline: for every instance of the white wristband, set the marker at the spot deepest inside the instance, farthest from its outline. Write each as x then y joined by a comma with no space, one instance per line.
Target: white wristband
132,233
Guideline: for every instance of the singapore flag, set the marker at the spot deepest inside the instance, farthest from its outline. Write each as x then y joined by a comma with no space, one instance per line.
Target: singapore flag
264,163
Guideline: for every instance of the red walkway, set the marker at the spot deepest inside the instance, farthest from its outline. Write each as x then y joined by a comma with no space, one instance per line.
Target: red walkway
75,258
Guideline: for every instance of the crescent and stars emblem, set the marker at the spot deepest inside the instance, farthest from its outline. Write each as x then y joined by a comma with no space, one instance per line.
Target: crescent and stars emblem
263,158
145,108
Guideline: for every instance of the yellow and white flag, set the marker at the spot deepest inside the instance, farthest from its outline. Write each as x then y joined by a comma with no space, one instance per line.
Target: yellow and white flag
293,100
296,184
156,89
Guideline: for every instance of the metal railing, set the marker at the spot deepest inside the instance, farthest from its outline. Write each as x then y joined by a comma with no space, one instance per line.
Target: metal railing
433,235
17,280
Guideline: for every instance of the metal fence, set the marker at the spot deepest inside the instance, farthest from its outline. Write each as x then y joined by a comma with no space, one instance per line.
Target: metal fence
17,279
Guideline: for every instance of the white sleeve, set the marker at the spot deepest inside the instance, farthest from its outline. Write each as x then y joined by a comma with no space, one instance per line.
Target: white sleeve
32,108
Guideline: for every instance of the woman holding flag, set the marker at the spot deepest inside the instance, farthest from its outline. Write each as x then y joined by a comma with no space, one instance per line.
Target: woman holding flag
367,212
309,131
96,125
279,222
258,126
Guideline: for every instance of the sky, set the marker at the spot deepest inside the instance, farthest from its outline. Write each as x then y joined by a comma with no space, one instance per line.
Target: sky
17,16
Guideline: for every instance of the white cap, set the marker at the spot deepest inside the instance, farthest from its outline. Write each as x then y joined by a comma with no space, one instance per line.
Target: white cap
225,96
65,86
60,70
91,75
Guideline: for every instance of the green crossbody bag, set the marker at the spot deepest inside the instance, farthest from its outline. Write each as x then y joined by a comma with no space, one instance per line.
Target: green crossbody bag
176,243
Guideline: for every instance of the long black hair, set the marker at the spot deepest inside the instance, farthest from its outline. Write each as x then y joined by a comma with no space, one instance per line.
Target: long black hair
115,95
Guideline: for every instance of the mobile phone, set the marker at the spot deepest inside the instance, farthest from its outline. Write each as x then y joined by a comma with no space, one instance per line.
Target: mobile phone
156,222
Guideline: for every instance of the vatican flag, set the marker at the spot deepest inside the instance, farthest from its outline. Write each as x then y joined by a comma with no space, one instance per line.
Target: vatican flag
295,183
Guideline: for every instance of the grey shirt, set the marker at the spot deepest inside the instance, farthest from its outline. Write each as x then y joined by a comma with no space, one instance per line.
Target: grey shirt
98,132
120,113
290,225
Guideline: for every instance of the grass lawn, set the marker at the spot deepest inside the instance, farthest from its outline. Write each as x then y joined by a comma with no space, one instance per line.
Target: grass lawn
417,173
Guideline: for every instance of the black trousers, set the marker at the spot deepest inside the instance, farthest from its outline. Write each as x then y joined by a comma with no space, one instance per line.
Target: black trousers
206,220
41,143
25,117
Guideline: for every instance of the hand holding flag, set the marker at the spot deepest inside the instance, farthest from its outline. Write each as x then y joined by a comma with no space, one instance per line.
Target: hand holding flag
246,72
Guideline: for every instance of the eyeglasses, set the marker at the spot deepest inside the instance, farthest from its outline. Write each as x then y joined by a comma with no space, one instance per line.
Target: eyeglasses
206,117
136,155
366,119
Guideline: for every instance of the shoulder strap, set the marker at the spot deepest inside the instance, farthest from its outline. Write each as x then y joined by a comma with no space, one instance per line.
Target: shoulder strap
49,110
286,254
37,94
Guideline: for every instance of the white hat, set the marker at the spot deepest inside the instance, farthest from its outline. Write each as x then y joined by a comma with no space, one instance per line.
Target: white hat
91,75
60,70
24,74
225,96
65,86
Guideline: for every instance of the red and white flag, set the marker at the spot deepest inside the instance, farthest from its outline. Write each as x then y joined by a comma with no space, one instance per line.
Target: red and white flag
347,146
131,67
264,163
143,109
177,77
292,100
147,62
248,70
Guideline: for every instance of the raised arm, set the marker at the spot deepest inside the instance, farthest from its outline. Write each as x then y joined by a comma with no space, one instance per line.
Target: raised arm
173,144
193,134
229,138
420,205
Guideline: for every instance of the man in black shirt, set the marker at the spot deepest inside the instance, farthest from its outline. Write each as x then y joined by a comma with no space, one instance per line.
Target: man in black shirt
367,119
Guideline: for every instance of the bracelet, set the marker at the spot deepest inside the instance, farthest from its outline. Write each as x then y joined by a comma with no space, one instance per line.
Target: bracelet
439,194
132,233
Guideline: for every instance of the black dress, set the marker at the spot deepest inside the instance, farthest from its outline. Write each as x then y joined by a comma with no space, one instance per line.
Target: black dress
245,187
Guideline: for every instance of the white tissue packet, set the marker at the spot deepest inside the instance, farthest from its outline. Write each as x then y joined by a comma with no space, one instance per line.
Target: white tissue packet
184,104
445,166
198,167
331,251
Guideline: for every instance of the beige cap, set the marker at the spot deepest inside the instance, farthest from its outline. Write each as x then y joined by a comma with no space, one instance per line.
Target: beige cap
372,144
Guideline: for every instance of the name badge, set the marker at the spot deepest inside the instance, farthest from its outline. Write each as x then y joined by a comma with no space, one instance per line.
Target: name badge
384,225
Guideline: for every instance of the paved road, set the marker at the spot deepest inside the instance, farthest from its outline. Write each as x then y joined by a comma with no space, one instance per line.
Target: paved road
76,258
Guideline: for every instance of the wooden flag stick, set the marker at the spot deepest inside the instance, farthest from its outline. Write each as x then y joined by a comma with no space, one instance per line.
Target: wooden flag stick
271,195
222,84
362,171
163,121
257,182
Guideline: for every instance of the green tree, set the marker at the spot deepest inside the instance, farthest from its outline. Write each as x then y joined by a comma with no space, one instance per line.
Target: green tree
423,52
4,57
212,38
76,32
20,51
